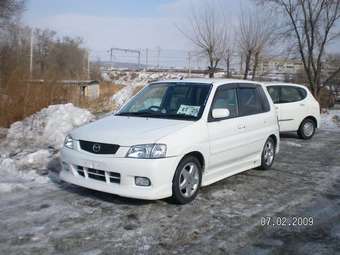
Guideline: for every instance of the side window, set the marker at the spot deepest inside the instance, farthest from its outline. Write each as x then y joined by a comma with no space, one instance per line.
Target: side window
274,92
249,101
264,100
226,98
302,92
291,94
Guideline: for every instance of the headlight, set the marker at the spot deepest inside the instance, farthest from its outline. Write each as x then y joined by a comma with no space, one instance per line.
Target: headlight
147,151
68,142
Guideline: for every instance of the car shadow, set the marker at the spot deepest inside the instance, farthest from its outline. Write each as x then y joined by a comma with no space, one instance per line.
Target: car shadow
289,135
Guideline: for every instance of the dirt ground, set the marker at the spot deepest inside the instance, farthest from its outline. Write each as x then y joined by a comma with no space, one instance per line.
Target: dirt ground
225,218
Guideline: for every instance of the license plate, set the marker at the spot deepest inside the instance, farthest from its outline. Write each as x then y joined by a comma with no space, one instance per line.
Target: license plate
93,164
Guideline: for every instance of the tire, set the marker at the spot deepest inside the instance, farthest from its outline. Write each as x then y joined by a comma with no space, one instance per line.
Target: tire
307,129
268,154
187,180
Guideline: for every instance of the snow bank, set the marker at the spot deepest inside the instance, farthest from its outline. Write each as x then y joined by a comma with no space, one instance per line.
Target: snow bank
32,143
122,96
330,120
46,128
142,78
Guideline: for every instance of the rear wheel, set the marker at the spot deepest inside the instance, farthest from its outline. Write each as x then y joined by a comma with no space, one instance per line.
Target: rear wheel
306,129
187,180
268,154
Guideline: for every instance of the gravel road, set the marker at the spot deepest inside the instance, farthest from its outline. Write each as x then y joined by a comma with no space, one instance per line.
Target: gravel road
225,218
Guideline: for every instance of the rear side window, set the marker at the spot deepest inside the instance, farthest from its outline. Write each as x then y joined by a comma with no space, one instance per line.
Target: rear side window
249,101
291,94
274,93
286,94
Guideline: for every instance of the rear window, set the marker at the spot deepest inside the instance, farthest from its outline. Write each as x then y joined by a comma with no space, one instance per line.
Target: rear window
286,94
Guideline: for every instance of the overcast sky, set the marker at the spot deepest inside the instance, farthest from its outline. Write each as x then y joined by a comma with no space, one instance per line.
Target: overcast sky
114,23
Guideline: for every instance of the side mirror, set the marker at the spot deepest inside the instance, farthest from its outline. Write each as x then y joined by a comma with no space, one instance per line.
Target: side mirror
220,113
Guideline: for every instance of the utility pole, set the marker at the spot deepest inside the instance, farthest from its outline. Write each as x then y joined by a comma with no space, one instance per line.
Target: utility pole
189,62
88,64
110,56
146,58
31,55
158,56
125,51
139,59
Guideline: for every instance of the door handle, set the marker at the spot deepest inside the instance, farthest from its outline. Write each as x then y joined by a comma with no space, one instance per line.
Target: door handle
302,104
241,126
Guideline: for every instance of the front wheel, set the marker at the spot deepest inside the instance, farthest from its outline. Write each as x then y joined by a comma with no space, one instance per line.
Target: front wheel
306,129
268,154
187,180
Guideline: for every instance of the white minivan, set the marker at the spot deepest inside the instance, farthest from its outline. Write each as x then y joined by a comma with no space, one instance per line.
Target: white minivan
297,109
174,137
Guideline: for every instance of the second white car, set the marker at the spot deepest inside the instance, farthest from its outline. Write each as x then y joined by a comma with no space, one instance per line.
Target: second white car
297,109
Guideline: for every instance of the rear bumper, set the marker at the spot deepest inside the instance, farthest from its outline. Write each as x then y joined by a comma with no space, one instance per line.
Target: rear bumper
159,171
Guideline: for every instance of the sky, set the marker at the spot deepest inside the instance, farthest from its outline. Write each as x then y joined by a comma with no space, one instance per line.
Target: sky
114,23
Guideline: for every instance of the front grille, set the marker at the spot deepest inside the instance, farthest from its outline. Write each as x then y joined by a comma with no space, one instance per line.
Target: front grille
98,148
98,175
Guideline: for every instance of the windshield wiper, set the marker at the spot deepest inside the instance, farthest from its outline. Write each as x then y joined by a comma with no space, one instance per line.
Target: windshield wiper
133,114
172,116
158,115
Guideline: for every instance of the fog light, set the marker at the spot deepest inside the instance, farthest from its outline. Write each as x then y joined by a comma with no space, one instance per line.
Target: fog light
142,181
66,166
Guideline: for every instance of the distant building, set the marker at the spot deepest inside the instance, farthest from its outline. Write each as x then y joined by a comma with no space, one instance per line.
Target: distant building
279,66
87,88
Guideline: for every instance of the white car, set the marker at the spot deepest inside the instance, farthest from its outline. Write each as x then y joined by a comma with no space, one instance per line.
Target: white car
174,137
297,109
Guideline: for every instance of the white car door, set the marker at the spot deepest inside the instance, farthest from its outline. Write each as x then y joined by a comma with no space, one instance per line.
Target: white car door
290,105
254,112
225,135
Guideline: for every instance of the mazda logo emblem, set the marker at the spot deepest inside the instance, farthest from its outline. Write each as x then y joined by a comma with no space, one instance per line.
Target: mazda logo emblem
96,147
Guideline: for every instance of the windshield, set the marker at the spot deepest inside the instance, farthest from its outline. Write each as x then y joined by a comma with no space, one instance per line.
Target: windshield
169,101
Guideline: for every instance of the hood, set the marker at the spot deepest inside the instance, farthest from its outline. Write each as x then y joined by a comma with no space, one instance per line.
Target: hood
127,131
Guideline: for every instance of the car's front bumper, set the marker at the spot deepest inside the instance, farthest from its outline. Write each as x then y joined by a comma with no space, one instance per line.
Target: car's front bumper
159,171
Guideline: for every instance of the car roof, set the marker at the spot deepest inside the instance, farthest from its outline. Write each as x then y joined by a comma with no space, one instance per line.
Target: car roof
214,82
282,84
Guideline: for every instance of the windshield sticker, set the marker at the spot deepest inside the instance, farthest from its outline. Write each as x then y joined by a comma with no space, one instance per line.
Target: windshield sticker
191,110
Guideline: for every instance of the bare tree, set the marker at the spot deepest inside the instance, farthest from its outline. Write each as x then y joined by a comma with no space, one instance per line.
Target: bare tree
209,32
313,25
44,40
9,10
229,50
255,34
227,56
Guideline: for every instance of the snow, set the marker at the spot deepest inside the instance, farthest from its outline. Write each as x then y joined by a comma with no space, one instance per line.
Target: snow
9,187
293,144
123,95
330,120
32,143
47,127
7,165
35,160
